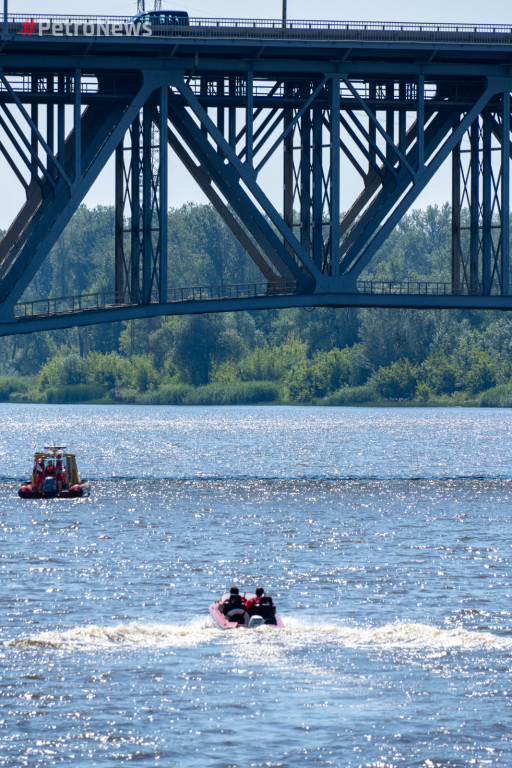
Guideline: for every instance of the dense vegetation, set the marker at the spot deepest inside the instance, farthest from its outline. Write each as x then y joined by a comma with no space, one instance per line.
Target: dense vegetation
329,356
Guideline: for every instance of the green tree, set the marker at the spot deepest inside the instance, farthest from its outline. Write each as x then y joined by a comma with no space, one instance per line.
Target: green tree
110,370
144,375
66,368
398,381
200,342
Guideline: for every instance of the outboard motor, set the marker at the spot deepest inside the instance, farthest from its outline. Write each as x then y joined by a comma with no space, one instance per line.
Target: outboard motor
49,484
256,621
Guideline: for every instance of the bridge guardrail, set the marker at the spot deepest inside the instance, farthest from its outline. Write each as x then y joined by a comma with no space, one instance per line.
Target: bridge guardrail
421,288
293,28
111,299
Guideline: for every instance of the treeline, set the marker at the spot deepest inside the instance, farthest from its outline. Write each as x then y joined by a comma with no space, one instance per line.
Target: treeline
331,356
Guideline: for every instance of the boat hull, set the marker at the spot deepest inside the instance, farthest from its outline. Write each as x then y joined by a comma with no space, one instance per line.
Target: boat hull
76,491
224,623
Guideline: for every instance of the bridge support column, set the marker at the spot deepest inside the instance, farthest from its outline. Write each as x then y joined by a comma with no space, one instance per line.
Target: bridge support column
288,175
456,206
334,178
141,269
481,203
487,208
505,192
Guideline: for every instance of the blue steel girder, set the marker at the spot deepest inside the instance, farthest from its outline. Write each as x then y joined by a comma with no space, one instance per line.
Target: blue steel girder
204,181
226,180
44,217
52,161
343,95
369,233
388,194
226,169
480,247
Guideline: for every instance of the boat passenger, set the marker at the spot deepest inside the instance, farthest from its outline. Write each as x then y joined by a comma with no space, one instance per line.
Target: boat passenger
58,471
50,469
234,607
38,475
264,607
250,604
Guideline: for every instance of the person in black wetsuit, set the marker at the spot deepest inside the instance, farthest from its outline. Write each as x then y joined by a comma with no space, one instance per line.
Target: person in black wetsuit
234,607
262,605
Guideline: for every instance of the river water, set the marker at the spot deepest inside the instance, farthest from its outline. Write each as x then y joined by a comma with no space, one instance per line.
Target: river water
384,536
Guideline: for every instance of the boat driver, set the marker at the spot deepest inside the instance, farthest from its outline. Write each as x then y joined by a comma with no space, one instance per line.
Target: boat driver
235,604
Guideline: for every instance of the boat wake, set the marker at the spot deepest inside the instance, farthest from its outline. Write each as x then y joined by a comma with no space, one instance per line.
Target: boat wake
295,634
402,635
136,635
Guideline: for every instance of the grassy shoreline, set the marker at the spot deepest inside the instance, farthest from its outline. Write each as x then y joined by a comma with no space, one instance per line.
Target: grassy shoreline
25,390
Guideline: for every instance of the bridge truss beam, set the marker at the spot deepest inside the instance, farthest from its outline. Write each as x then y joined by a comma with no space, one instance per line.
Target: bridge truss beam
317,127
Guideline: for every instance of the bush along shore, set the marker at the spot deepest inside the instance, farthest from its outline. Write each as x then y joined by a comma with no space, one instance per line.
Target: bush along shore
333,357
326,379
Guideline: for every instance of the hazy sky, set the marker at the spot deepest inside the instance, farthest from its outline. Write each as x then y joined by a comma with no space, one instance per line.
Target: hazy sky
492,11
184,189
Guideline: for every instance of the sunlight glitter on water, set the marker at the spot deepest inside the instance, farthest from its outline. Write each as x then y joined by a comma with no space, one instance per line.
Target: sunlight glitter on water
384,537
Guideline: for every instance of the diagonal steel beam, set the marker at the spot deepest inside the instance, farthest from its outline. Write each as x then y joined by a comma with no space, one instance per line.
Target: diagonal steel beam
28,147
13,166
52,222
34,128
248,177
199,174
389,141
227,181
390,192
12,138
291,124
422,178
376,151
359,144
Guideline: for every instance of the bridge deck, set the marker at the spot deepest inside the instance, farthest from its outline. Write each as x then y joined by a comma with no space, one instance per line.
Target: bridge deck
69,311
89,35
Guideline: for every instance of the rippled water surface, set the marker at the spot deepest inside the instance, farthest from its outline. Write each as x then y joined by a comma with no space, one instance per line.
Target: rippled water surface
384,536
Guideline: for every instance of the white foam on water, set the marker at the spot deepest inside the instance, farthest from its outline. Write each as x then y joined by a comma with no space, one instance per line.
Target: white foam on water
135,634
267,640
400,635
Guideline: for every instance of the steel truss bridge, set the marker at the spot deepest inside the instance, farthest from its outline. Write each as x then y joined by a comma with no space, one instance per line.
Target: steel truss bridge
368,110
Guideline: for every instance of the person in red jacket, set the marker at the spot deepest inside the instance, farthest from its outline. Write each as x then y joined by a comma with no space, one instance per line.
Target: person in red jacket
253,602
262,605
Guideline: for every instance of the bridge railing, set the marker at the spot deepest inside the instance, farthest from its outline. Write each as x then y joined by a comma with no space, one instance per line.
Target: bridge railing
239,27
421,288
112,299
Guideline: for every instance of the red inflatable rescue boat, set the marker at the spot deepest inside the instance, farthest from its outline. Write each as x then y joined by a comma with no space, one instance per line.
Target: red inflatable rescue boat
54,475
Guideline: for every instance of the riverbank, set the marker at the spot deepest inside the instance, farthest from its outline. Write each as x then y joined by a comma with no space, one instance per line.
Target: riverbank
23,390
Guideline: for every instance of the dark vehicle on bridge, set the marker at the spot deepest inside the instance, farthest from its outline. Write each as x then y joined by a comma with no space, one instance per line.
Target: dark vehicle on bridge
162,18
